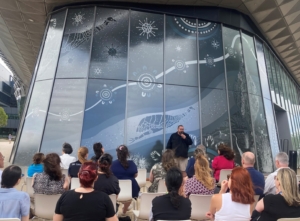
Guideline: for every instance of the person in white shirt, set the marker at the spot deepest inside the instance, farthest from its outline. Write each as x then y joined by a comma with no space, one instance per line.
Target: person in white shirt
281,161
66,159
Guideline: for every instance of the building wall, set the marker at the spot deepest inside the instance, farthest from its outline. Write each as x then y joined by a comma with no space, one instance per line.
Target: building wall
126,76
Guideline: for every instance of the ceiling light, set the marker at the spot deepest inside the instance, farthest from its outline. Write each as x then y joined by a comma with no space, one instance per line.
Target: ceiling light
31,20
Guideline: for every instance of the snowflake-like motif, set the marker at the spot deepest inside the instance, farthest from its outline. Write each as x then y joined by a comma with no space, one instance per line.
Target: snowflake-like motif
147,28
215,44
178,48
210,61
97,71
35,112
78,19
231,52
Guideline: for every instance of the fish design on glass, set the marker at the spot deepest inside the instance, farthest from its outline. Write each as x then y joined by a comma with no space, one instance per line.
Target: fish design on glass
74,40
154,123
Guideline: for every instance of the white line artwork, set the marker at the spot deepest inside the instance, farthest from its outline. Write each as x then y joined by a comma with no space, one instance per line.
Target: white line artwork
147,28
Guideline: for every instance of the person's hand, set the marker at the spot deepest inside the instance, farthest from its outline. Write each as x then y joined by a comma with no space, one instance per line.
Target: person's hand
224,186
209,215
183,136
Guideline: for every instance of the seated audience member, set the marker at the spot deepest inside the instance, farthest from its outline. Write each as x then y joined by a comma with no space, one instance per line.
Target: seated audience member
37,166
190,170
202,182
1,164
258,179
106,182
223,161
236,205
172,206
98,150
84,203
13,203
125,169
285,203
51,181
65,158
159,170
281,161
82,158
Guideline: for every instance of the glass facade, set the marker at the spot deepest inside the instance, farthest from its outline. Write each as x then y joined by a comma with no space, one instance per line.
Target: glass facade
119,76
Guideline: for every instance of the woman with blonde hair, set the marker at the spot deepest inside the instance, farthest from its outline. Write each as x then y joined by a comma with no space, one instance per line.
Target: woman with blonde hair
159,170
202,182
284,204
190,171
74,167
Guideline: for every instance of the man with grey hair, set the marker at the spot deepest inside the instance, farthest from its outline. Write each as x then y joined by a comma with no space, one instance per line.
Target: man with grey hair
258,180
281,161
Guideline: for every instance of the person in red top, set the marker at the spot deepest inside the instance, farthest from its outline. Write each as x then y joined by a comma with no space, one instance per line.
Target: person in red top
223,161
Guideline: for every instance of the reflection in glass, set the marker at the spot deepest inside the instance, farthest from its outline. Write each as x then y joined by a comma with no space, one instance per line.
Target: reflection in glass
269,71
182,108
263,149
274,78
104,114
47,66
75,51
181,51
215,122
145,124
34,122
64,121
110,44
211,55
146,47
262,69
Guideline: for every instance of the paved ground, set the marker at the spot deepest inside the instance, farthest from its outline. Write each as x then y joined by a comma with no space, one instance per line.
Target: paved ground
5,149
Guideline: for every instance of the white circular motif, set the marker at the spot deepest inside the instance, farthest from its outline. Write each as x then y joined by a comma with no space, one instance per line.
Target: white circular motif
210,61
105,94
179,65
146,82
64,115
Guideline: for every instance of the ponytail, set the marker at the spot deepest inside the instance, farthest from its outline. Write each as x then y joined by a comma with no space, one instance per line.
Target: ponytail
175,198
174,181
104,164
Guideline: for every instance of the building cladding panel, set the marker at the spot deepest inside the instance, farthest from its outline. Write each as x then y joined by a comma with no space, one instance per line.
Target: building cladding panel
131,75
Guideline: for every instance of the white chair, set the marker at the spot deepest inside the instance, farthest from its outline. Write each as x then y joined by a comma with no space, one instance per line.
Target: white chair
145,205
29,188
125,194
142,178
75,183
44,205
9,219
289,219
198,212
223,175
65,171
162,187
298,179
113,198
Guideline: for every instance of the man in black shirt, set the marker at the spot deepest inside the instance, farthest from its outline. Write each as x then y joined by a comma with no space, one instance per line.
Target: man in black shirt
179,142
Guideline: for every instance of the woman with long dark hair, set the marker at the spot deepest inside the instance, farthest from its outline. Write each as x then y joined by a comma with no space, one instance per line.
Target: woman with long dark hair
98,150
84,203
236,205
172,206
225,160
106,182
125,169
159,170
51,181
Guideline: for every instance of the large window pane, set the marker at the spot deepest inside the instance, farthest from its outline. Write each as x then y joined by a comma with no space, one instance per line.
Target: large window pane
273,69
182,108
47,66
211,55
64,121
75,51
104,114
181,51
145,123
214,117
269,71
146,47
110,44
34,122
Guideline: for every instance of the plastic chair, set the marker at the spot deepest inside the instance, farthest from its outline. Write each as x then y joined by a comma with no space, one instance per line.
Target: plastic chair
145,205
125,194
75,183
113,198
289,219
29,188
198,212
9,219
223,175
44,205
162,187
142,178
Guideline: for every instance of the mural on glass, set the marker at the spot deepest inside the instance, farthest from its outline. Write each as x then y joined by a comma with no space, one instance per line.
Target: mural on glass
34,122
269,72
65,115
110,44
47,66
104,114
75,50
240,118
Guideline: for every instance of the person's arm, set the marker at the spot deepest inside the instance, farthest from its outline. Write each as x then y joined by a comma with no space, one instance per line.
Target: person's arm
224,187
151,178
25,218
114,218
260,206
188,139
212,209
33,179
58,217
110,210
169,145
66,183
